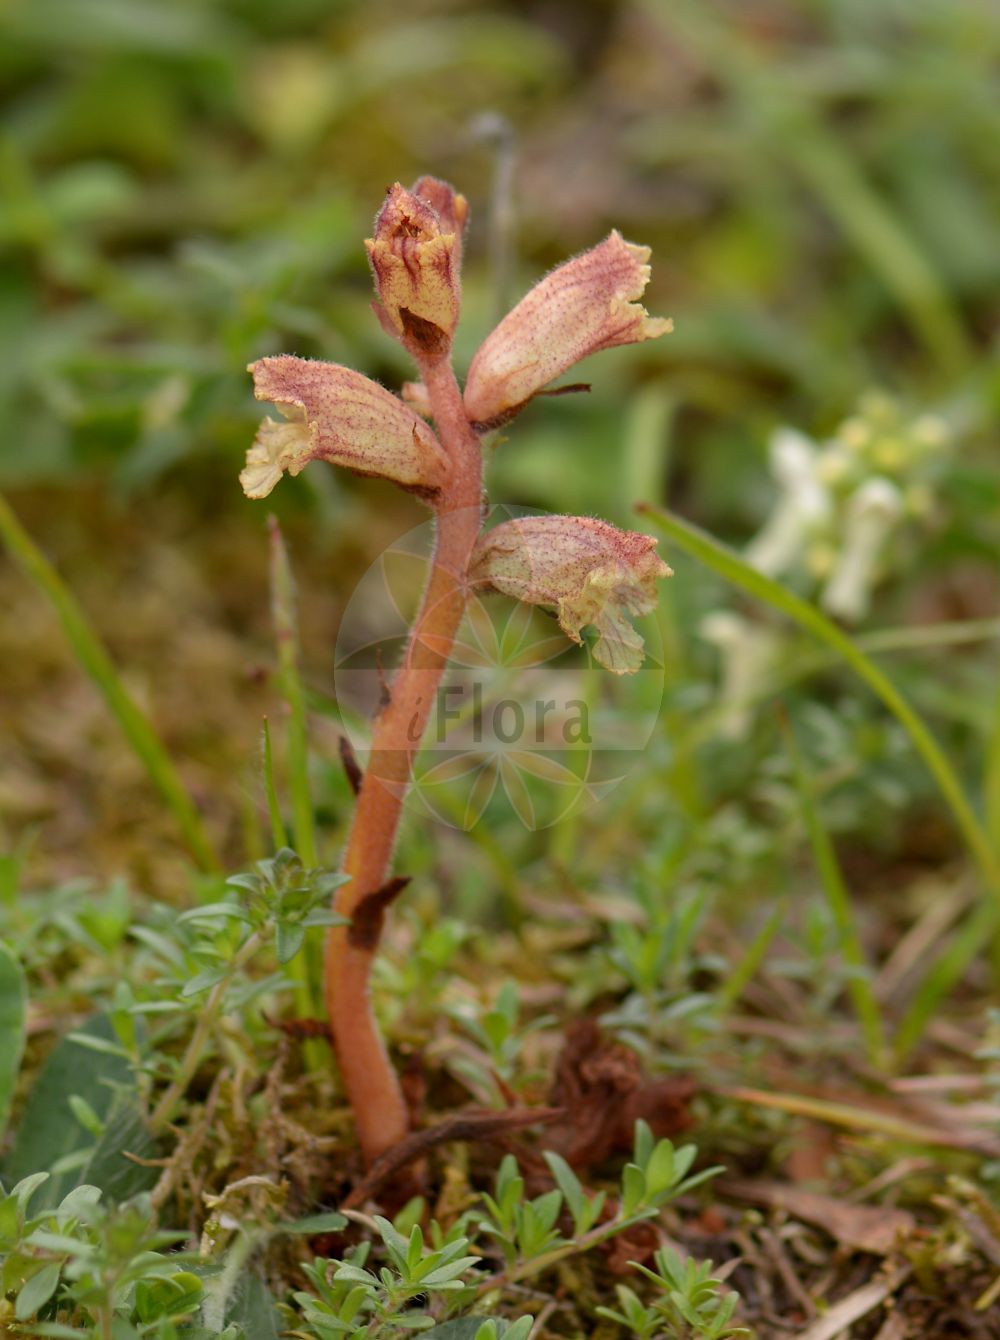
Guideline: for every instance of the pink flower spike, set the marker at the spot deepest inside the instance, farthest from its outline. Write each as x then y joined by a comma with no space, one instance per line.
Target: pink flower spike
590,572
585,305
335,414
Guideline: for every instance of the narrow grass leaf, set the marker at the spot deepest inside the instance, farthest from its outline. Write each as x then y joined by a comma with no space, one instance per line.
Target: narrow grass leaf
948,970
991,781
279,833
854,1117
284,616
859,984
749,965
286,625
867,220
286,633
93,658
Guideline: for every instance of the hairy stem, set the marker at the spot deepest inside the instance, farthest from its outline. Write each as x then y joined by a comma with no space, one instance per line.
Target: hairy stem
372,1086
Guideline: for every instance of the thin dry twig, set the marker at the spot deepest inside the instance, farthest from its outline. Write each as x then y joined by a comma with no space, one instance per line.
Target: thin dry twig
462,1126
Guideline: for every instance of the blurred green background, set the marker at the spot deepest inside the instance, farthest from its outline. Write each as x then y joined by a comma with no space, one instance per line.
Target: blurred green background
185,185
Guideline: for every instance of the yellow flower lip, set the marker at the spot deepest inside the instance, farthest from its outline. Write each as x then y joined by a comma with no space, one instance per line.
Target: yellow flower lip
338,415
451,208
585,305
588,571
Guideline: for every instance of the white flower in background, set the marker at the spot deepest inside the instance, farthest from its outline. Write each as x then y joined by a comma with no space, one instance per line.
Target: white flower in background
873,512
842,502
804,506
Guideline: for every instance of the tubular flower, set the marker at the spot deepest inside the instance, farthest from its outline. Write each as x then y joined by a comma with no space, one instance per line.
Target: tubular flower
587,304
873,511
805,507
416,257
335,414
590,572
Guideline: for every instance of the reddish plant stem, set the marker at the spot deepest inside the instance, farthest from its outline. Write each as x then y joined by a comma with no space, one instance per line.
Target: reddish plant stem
372,1086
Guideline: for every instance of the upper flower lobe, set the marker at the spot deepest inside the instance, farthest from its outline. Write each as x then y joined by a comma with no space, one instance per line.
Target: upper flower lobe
585,305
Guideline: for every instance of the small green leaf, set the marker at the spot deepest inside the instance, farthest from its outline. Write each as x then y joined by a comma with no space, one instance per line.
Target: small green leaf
414,1249
518,1330
633,1189
55,1330
216,911
49,1132
446,1274
37,1291
203,981
316,1223
59,1242
567,1182
643,1143
79,1202
107,1046
125,1132
355,1274
10,1221
325,917
392,1238
85,1114
174,1296
23,1190
464,1328
289,937
684,1157
660,1168
252,1309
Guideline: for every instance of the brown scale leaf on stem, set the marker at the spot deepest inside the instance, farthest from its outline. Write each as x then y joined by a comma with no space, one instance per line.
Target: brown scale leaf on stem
350,764
366,922
300,1028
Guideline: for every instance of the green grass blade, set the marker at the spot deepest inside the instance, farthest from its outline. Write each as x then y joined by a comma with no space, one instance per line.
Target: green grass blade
304,967
729,565
278,832
859,985
750,964
94,659
950,967
991,782
286,632
868,221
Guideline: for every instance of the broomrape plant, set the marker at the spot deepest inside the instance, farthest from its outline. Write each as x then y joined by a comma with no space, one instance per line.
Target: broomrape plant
591,574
